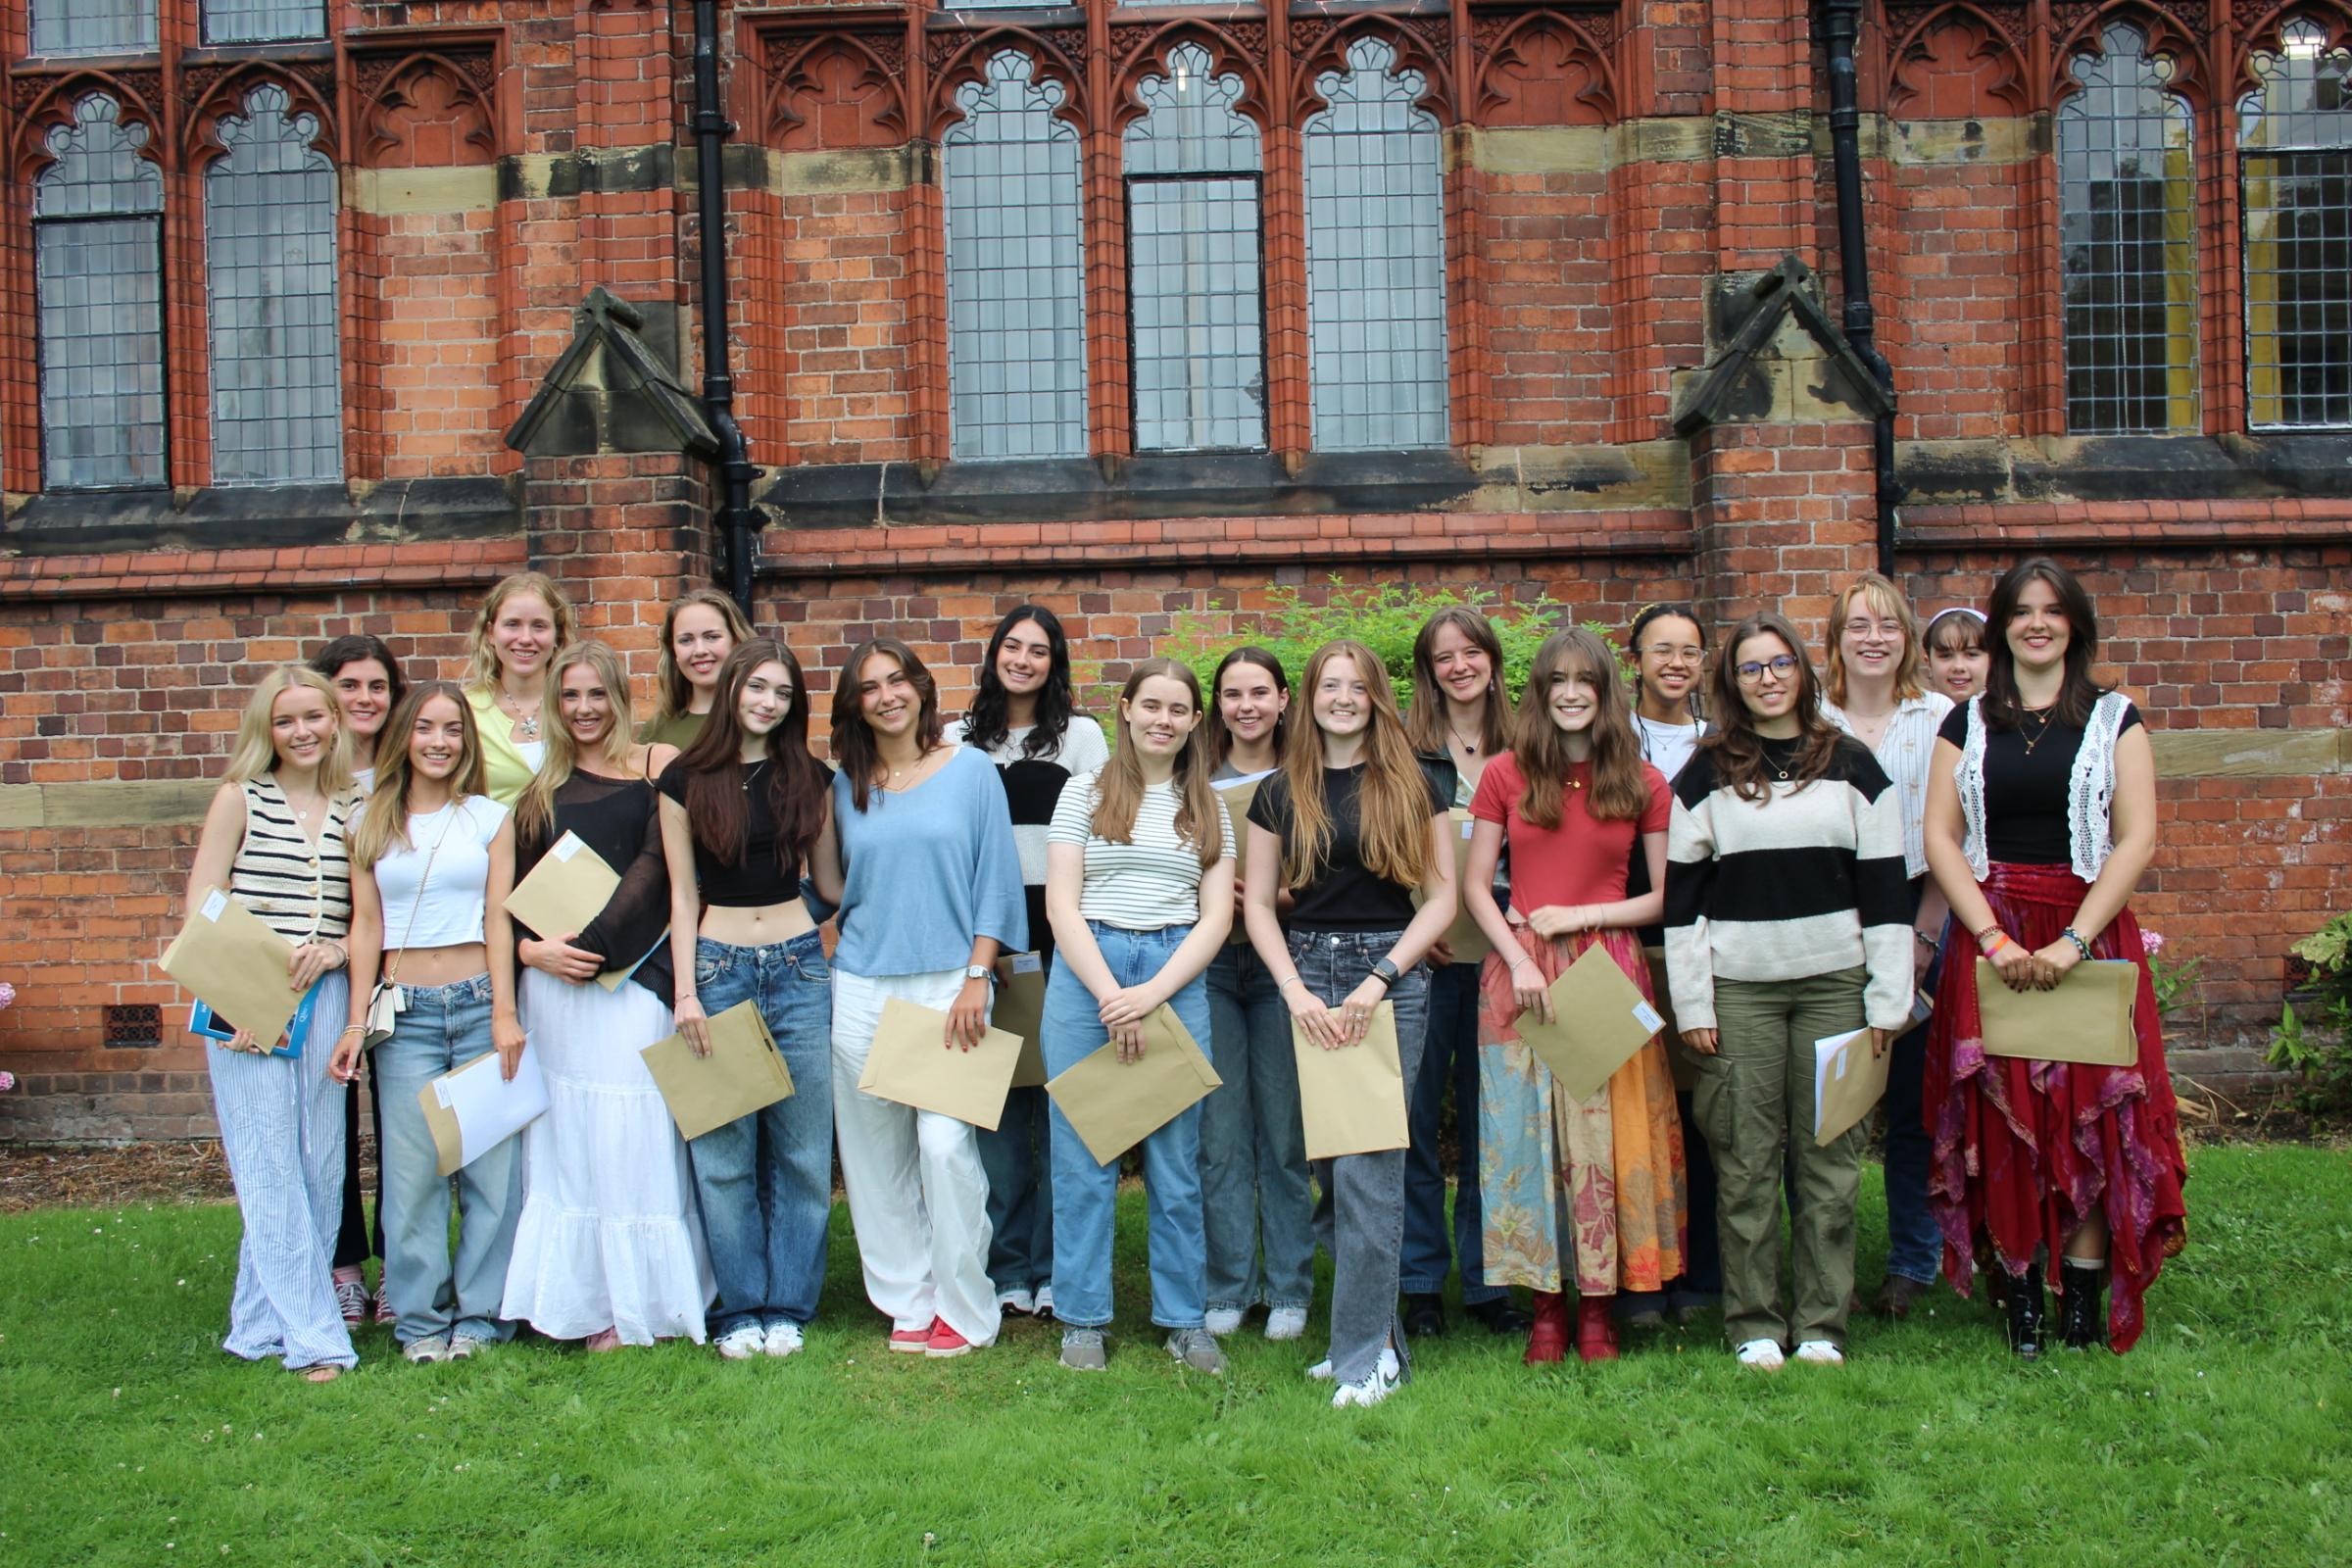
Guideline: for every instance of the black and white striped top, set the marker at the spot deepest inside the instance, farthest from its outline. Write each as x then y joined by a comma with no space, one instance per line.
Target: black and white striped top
1806,881
301,891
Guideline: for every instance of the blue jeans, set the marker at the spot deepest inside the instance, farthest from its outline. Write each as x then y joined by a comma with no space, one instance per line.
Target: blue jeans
1361,1217
766,1181
441,1029
1914,1244
1019,1156
1086,1194
1253,1183
1448,1058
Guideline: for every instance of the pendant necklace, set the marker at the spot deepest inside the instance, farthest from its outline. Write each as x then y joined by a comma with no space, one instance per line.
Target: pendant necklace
2047,715
526,723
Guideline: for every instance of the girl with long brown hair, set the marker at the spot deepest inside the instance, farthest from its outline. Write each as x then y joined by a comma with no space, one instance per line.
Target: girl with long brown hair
1788,921
1460,714
930,895
432,855
1583,1198
1354,827
1253,1180
608,1249
698,631
744,818
523,623
1139,887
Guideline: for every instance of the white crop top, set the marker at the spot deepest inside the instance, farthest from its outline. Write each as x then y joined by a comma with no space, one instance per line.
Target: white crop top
457,841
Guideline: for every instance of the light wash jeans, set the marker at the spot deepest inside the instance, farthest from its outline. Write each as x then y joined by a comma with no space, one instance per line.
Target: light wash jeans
281,1127
1253,1184
764,1181
1449,1060
1360,1216
443,1028
1086,1194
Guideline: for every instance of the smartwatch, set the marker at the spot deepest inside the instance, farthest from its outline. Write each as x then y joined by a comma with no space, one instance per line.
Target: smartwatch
1385,971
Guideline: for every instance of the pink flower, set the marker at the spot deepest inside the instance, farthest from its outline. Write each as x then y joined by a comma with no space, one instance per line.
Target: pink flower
8,993
8,1081
2153,941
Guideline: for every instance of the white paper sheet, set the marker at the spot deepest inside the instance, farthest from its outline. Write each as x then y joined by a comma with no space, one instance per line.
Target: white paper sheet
489,1110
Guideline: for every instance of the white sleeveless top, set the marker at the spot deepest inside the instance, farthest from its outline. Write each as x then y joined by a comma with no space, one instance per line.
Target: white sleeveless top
2090,789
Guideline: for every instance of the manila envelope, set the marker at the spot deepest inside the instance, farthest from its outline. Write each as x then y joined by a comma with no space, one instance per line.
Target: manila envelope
1352,1099
1020,1009
742,1074
236,966
1847,1081
1113,1105
1468,942
2086,1018
570,887
472,1110
1238,800
1600,1020
912,1063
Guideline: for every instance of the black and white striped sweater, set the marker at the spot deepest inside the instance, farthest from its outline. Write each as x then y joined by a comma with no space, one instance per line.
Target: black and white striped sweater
1805,881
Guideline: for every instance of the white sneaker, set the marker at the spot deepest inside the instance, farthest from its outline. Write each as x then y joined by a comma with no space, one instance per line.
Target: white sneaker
1044,1301
1285,1323
740,1345
1323,1371
433,1348
1821,1353
782,1339
462,1346
1762,1355
1020,1303
1372,1389
1223,1320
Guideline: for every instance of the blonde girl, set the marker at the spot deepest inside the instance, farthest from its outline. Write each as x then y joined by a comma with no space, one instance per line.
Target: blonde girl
524,622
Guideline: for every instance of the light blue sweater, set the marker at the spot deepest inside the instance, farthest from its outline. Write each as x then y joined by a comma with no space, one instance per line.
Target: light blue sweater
927,871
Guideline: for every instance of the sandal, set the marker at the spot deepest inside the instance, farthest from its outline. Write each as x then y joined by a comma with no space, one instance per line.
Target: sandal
599,1344
319,1372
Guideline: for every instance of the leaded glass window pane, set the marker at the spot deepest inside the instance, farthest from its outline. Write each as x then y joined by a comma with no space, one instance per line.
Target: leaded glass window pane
1375,259
270,262
2295,165
1193,256
263,21
1016,329
93,26
2126,209
98,286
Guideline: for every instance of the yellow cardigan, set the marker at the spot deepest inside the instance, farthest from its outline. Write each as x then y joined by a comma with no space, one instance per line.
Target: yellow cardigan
506,769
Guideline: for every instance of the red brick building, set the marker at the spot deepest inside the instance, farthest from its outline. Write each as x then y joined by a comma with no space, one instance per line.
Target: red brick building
1139,309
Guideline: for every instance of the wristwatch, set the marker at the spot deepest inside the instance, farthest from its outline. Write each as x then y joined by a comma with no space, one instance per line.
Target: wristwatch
1385,972
978,971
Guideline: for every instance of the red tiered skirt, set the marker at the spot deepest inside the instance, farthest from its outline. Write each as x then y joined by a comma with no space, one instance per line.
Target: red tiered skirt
2024,1149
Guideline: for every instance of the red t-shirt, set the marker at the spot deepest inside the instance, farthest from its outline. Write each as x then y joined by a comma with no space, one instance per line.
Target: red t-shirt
1584,859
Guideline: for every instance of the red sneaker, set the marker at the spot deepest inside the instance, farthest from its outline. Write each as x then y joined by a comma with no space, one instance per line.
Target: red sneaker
946,1341
913,1342
1595,1332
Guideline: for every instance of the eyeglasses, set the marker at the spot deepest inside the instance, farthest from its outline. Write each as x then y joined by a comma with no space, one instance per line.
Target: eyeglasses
1884,629
1669,654
1781,668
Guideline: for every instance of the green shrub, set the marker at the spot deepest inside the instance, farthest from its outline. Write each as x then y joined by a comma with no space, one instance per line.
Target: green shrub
2319,1048
1386,618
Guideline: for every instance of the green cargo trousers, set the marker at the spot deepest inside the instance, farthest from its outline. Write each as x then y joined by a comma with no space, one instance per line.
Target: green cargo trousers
1754,1100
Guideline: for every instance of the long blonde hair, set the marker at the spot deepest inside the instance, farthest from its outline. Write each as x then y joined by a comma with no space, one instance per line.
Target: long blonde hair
1393,804
385,822
674,693
256,750
481,660
1540,747
535,807
1119,788
1887,599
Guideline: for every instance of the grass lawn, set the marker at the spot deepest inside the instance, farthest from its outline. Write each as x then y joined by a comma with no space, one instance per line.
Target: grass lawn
2221,1440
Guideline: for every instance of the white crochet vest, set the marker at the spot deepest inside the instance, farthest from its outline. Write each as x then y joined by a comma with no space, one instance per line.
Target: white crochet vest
2091,788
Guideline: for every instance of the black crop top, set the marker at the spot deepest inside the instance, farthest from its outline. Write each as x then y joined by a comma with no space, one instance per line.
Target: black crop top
755,880
2024,792
618,819
1346,896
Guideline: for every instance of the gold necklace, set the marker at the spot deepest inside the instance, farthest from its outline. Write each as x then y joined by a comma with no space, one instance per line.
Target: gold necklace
2047,715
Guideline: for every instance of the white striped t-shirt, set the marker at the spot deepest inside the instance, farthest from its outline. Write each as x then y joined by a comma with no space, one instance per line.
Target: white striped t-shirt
1150,882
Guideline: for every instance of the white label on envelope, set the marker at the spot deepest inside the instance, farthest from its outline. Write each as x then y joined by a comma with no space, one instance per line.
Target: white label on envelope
1468,823
1648,1017
216,904
1841,1059
441,1092
565,847
1027,964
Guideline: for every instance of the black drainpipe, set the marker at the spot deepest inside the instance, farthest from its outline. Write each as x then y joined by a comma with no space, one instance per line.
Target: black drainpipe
1841,19
736,522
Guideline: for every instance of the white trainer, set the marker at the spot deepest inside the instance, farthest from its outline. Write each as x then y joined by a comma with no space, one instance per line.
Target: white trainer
1018,1303
782,1339
1762,1355
1285,1323
1044,1301
1223,1320
1372,1389
740,1345
1819,1352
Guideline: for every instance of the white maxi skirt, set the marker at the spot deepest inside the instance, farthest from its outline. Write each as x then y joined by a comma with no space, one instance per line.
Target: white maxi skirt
609,1236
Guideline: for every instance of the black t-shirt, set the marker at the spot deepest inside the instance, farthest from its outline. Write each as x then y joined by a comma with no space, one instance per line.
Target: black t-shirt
756,880
2026,792
1345,897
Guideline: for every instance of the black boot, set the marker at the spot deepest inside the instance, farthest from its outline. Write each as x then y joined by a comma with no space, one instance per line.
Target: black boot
2080,1324
2024,1302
